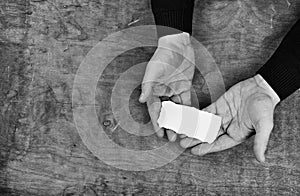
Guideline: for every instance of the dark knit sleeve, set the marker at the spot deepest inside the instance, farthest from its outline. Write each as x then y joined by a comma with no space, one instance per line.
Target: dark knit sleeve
173,16
282,70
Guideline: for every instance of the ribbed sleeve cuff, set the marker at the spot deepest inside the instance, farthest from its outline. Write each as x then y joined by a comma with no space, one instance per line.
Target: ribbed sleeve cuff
282,71
173,20
284,79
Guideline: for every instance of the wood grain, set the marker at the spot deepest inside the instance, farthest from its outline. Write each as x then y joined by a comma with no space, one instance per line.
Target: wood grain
43,43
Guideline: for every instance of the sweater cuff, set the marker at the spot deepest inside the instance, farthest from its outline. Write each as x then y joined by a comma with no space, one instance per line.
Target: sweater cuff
174,20
282,71
284,79
263,83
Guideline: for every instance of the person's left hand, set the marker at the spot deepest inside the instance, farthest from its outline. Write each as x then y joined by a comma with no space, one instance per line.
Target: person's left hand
246,108
169,74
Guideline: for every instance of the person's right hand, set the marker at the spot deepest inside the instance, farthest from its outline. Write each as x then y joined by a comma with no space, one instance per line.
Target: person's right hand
169,73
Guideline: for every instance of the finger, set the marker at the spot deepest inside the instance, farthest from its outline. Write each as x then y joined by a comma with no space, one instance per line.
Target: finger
146,91
186,97
154,106
160,132
211,108
261,114
176,99
153,71
182,136
263,132
171,135
189,142
222,143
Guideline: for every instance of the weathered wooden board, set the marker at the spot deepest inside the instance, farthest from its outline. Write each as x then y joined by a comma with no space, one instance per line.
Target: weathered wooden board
43,42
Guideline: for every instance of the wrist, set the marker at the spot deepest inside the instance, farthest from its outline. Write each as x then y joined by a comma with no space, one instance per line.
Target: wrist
179,40
262,83
177,43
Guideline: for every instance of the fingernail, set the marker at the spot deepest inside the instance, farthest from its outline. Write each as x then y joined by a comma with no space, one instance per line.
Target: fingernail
142,97
173,139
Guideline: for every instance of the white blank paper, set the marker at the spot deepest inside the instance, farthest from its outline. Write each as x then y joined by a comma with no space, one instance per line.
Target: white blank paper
189,121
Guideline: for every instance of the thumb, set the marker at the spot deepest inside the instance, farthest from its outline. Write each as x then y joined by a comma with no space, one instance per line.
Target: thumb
146,91
263,130
153,71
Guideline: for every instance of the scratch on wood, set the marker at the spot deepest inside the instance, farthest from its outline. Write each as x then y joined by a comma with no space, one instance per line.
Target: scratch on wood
115,127
272,15
288,3
133,22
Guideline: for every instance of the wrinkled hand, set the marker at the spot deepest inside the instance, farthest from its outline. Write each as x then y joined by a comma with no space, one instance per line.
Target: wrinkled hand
169,73
246,108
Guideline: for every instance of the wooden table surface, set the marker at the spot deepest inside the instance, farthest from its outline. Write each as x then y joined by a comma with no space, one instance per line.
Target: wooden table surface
43,43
